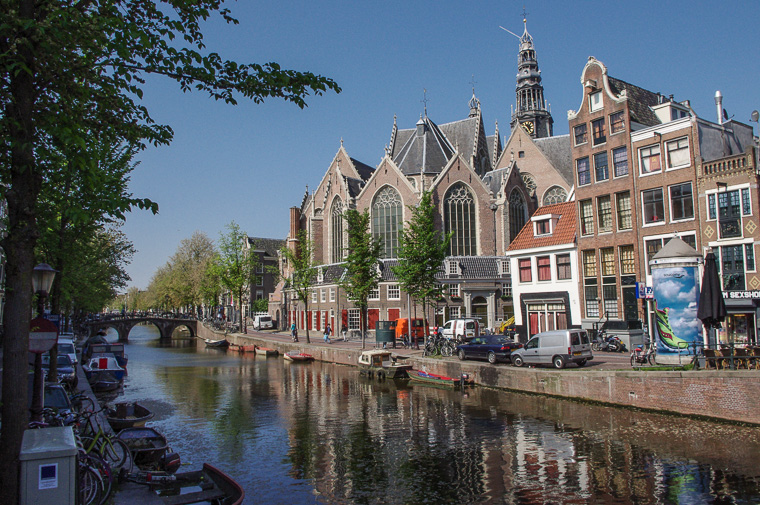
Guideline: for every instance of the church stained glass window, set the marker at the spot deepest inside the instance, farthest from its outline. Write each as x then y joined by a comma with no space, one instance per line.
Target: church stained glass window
517,214
459,219
336,231
387,220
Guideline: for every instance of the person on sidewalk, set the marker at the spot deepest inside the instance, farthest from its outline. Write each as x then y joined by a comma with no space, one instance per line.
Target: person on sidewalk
327,333
294,332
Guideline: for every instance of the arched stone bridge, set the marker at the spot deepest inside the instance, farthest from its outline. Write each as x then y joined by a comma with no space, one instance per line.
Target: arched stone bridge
123,326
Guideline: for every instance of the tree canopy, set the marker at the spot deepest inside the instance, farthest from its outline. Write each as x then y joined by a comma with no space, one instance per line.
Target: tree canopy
71,76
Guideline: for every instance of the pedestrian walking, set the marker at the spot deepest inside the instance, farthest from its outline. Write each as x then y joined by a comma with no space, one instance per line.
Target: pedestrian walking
327,333
294,332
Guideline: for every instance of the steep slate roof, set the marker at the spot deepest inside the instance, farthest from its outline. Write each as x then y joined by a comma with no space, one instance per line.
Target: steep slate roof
270,246
461,135
494,179
639,101
474,267
563,232
365,171
557,150
428,152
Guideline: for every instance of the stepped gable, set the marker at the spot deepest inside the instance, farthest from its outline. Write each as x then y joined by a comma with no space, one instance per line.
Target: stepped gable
426,150
640,101
271,246
563,232
558,151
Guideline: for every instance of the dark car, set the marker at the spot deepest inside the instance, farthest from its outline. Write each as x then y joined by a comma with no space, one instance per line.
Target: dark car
66,370
493,348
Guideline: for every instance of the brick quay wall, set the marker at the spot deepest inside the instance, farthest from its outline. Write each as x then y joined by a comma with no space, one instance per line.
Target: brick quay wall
718,394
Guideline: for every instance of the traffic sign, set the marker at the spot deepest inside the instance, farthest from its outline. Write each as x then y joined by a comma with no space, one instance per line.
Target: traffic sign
43,335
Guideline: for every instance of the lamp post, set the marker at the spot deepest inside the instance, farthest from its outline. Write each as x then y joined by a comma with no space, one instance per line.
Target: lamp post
493,209
42,280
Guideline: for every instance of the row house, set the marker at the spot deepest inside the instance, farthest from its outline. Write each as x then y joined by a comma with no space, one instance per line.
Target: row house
639,159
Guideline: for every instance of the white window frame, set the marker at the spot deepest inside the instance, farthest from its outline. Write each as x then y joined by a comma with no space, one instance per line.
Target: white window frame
320,275
644,211
322,295
453,268
595,101
575,135
667,153
374,294
455,312
693,203
650,149
454,290
394,292
313,296
332,294
354,318
548,220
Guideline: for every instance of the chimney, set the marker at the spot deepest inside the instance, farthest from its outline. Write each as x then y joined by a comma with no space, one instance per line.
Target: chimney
719,106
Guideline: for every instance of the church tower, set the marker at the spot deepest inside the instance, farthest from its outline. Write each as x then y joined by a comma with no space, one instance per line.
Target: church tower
531,113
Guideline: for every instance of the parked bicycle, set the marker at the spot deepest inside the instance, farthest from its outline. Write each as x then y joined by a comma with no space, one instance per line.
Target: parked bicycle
643,356
438,345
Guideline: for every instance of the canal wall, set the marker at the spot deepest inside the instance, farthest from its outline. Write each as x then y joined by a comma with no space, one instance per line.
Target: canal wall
730,395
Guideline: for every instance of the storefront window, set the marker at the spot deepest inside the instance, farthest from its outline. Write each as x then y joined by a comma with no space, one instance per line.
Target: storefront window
739,329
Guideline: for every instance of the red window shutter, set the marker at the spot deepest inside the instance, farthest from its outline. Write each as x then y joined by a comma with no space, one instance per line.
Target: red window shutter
344,318
393,314
372,315
318,321
308,319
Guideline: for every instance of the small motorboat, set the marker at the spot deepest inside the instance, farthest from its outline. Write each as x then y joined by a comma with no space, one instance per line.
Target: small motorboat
381,364
103,364
298,356
235,348
249,348
433,379
217,344
104,382
146,445
117,350
266,351
208,485
127,415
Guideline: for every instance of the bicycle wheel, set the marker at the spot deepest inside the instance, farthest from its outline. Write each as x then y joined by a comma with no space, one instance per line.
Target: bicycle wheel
106,474
90,484
447,350
115,452
650,359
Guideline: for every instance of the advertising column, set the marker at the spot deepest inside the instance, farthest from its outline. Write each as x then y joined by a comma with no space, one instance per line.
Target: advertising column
675,279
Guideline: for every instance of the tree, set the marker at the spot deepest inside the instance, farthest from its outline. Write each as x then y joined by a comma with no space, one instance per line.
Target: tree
187,267
303,271
71,71
236,266
421,252
362,262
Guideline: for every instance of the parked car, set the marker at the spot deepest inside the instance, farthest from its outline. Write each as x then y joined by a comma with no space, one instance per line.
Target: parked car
461,330
493,348
66,371
557,348
417,330
66,346
262,322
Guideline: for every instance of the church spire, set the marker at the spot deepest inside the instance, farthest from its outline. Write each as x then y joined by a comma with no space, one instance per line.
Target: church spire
530,112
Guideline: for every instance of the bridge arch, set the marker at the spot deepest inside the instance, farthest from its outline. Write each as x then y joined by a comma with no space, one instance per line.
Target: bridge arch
124,325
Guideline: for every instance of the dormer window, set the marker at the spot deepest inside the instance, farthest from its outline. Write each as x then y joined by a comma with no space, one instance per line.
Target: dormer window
320,275
453,268
543,227
595,101
503,267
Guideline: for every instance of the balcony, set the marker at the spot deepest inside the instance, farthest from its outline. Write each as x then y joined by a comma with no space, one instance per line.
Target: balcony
728,164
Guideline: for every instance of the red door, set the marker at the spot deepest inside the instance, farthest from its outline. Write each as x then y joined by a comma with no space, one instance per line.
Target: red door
533,325
373,315
393,314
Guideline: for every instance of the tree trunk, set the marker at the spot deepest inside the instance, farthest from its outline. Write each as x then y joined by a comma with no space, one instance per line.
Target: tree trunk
21,197
306,318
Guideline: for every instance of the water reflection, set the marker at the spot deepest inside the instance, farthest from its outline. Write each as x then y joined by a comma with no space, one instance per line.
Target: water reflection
316,433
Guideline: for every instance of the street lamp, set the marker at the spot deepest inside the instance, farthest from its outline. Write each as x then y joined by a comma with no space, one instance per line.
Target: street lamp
42,281
493,209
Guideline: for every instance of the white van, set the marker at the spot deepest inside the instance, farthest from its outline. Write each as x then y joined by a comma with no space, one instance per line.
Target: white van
66,346
557,348
463,330
262,322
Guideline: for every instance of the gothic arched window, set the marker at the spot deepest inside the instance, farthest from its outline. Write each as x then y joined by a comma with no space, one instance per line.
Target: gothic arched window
517,214
459,218
386,220
555,194
336,231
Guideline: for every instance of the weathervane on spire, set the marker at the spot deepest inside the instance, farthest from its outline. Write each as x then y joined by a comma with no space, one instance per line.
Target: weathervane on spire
473,82
424,99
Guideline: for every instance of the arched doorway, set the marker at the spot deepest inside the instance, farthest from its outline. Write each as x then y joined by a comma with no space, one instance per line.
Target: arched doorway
479,310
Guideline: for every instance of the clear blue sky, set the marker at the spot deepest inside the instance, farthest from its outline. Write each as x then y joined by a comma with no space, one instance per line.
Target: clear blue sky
250,163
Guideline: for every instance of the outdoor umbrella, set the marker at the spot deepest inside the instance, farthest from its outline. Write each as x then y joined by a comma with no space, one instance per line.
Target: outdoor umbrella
712,308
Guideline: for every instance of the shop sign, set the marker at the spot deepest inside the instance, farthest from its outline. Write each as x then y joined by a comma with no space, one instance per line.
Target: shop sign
741,295
644,291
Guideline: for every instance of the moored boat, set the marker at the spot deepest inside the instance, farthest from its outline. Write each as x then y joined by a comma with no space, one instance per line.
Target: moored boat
146,445
104,382
127,415
208,485
266,351
103,364
235,348
249,348
218,344
382,364
298,356
434,379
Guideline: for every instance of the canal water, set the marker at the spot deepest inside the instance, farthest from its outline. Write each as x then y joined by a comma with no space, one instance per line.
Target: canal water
295,433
